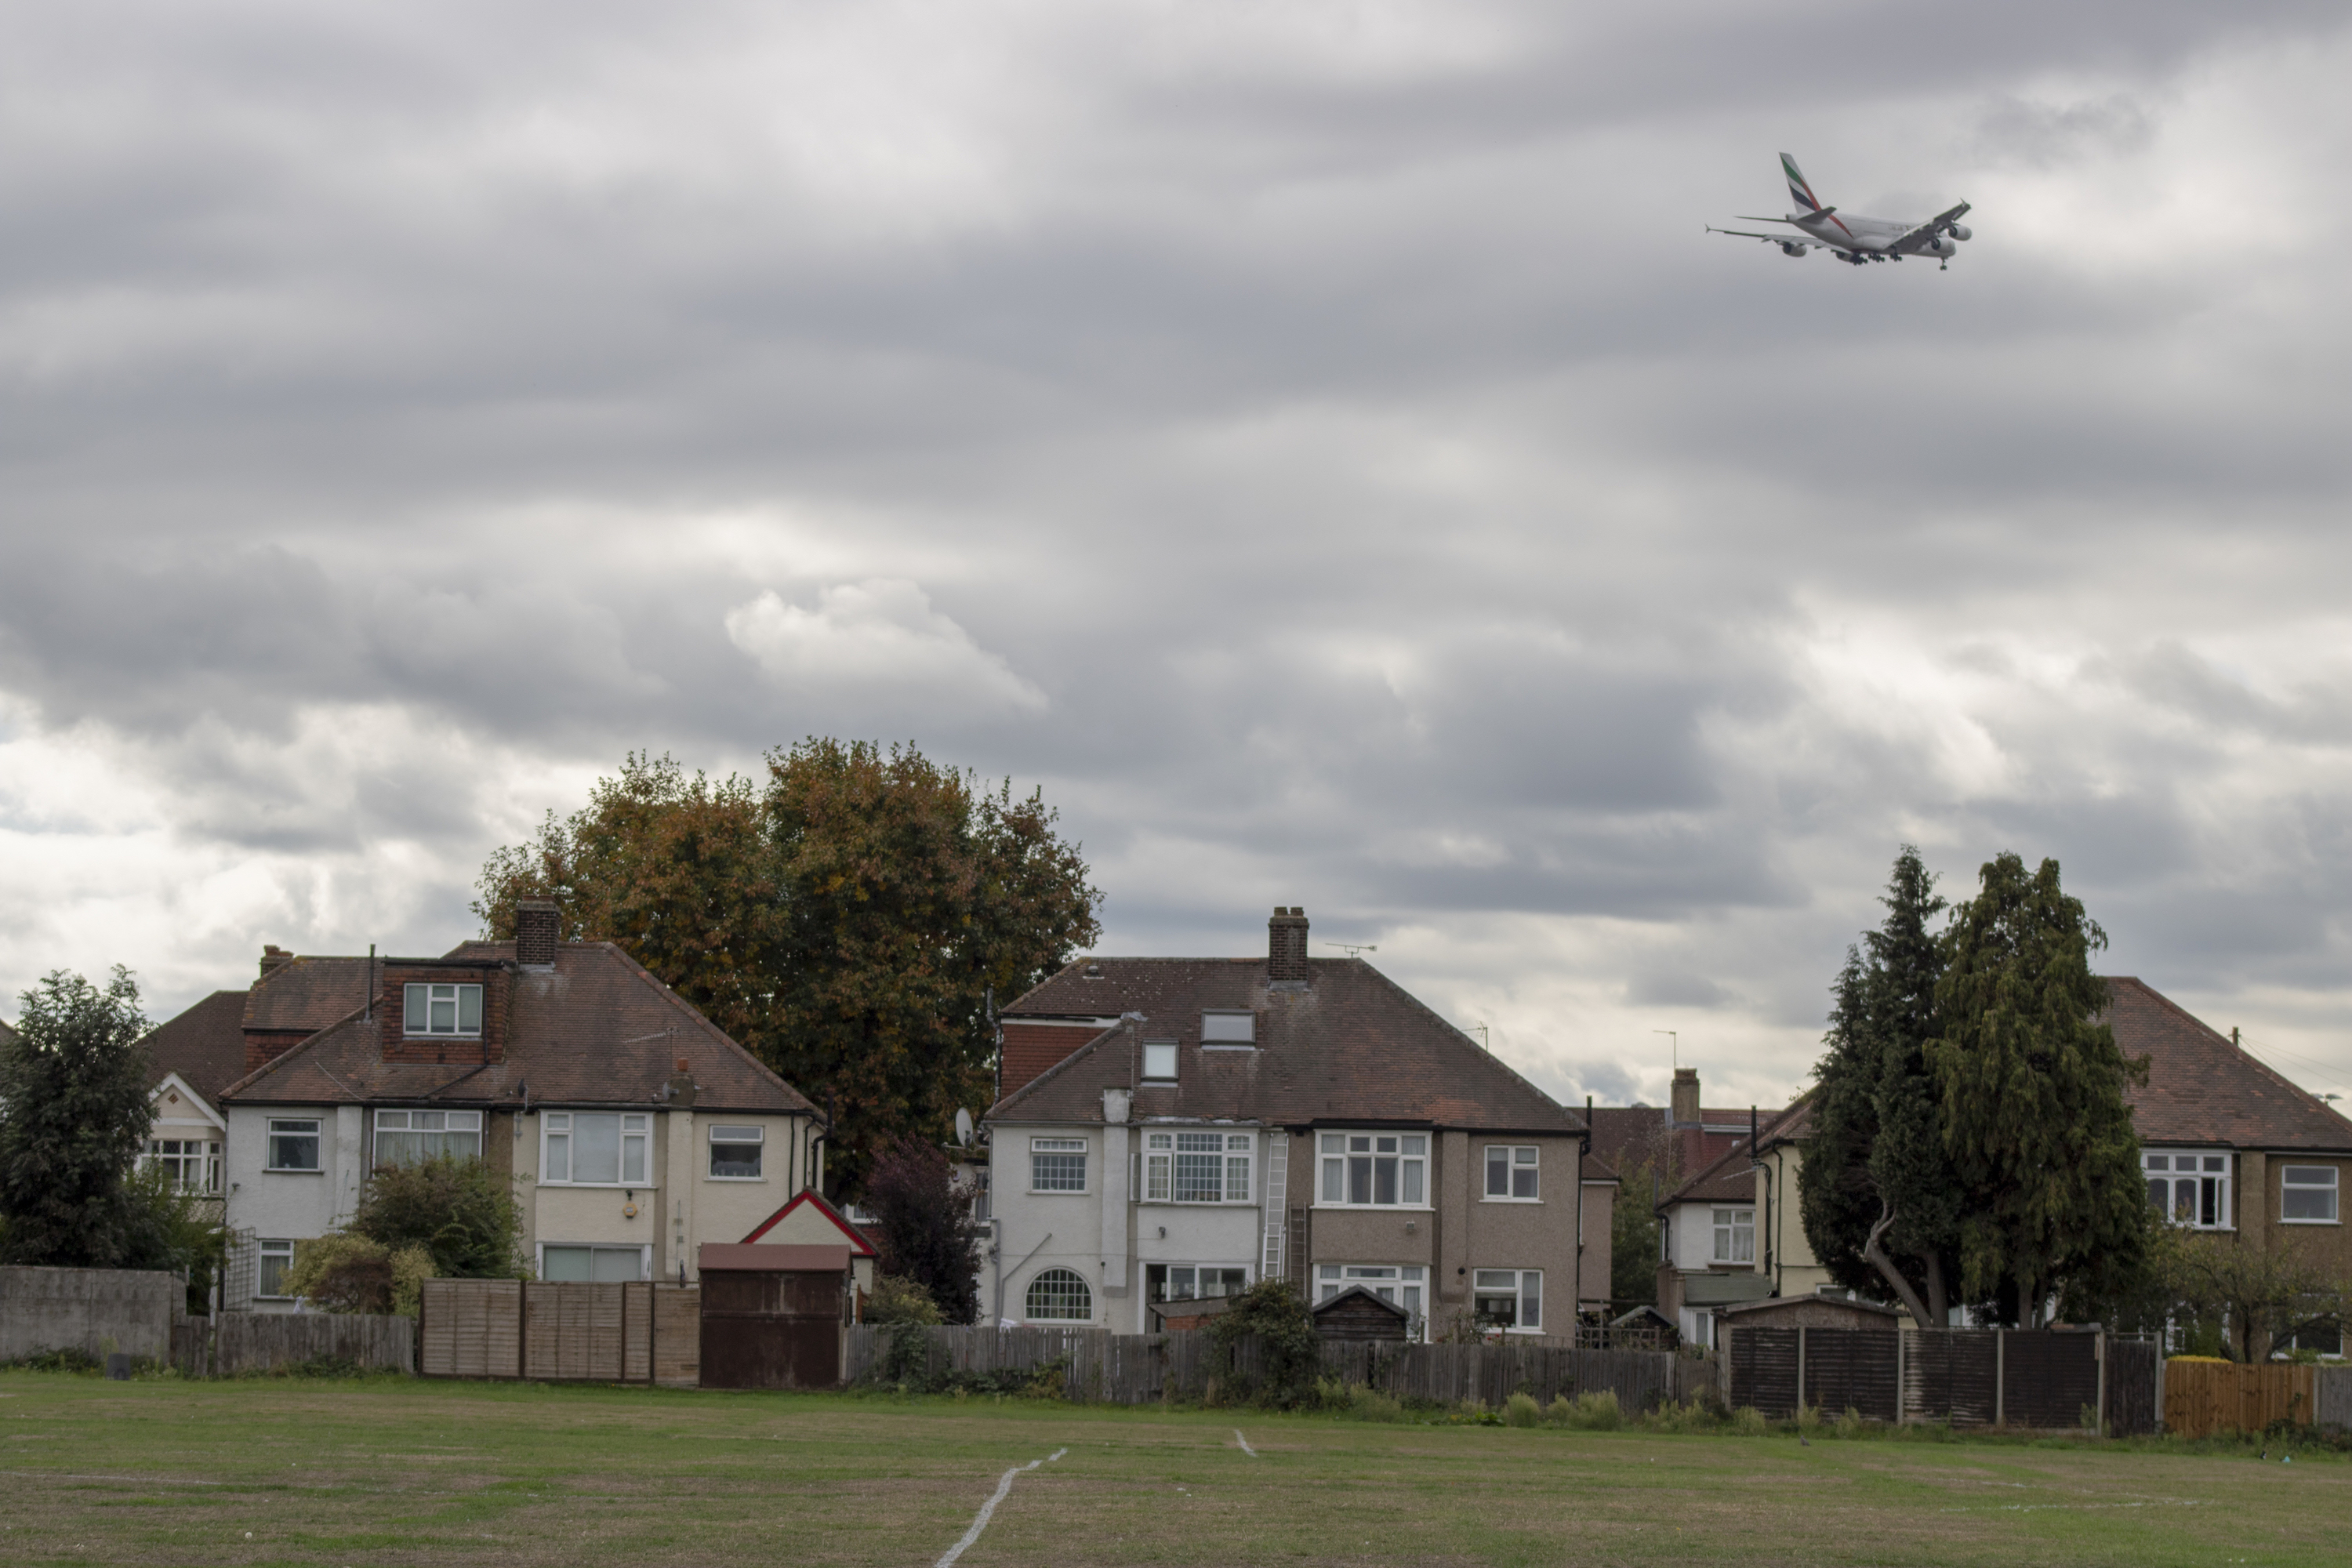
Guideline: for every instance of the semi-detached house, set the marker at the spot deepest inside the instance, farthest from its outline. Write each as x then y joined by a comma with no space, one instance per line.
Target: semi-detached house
1172,1129
630,1128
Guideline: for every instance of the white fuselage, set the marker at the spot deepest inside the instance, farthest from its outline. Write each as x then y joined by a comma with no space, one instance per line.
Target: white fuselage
1862,236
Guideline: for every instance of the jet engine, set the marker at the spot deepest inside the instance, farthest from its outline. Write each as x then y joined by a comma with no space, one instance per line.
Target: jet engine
1793,250
1944,246
1957,231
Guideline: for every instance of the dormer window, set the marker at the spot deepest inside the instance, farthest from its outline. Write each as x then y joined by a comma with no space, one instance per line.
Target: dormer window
442,1010
1159,1061
1228,1028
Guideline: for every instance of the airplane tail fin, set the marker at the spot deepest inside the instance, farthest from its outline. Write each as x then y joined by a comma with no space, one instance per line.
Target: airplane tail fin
1799,191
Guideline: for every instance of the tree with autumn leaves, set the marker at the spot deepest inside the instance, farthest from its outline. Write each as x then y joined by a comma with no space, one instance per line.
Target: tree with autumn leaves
843,918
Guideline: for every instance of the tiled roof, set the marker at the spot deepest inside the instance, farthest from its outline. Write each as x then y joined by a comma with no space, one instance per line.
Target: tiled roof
1351,1046
305,994
597,1029
204,1045
2202,1089
1730,1177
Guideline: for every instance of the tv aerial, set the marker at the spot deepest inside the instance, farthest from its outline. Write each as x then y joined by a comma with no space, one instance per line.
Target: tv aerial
1352,948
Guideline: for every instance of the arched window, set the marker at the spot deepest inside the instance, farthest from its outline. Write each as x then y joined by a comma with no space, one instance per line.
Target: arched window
1058,1295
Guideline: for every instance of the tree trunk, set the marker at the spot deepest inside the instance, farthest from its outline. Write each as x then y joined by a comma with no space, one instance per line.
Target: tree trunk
1876,1255
1939,1295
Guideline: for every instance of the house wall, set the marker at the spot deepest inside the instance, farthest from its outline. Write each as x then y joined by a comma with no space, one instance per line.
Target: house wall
290,1206
1794,1268
1037,1231
181,1114
1599,1214
2262,1207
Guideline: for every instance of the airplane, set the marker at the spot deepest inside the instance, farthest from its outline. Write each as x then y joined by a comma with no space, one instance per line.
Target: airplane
1851,237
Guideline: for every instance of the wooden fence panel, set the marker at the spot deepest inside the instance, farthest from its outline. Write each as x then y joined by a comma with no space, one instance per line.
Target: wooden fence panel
2201,1398
191,1346
1764,1370
1949,1375
2049,1378
265,1341
2132,1404
1853,1369
562,1331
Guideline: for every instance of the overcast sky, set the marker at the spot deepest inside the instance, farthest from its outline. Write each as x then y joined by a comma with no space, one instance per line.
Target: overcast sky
1316,442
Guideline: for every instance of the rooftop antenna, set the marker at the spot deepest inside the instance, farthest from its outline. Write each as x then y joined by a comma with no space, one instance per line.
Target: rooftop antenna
1352,948
1675,1044
1484,1043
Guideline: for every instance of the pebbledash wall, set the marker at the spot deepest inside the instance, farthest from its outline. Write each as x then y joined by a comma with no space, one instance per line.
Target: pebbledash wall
680,1207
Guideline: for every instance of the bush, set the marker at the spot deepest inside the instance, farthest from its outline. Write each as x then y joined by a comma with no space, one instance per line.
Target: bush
895,1298
1809,1420
1692,1418
1521,1410
1748,1422
1596,1410
1849,1425
460,1211
342,1273
411,1267
1276,1315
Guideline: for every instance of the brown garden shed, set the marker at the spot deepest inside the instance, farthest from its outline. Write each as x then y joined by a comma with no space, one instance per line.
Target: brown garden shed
1356,1313
773,1316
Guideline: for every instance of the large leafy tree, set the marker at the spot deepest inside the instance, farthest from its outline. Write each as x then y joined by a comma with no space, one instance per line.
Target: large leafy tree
2032,1089
1876,1189
845,918
74,1116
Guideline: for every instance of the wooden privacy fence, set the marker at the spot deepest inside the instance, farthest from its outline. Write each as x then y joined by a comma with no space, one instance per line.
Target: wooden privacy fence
561,1331
2043,1378
2331,1396
2202,1397
268,1341
1138,1369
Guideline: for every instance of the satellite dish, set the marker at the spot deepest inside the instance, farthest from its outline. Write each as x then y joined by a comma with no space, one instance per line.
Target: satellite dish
963,1126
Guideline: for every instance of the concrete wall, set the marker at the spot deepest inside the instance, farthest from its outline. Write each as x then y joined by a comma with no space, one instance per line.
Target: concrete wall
100,1310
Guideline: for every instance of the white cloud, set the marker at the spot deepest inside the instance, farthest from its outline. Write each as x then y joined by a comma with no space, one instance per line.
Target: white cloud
880,646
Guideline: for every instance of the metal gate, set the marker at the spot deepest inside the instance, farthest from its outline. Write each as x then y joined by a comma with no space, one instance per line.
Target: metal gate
773,1316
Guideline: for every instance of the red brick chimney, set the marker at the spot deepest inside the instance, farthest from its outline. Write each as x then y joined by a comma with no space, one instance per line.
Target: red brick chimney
1686,1098
1286,948
536,929
273,956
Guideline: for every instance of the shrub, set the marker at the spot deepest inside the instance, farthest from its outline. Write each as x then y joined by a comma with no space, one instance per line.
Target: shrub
1808,1419
895,1298
1370,1404
1748,1422
1521,1410
924,1226
460,1211
1672,1417
1849,1426
342,1273
1277,1315
1596,1410
411,1267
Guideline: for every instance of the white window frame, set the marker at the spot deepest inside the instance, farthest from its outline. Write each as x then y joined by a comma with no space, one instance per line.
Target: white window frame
1517,1160
291,1127
1086,1291
1406,1284
2204,1185
1168,1269
1526,1289
564,1124
176,1154
399,1123
1062,1146
1165,1155
417,1001
281,1250
1337,1151
1730,1223
735,1129
1159,1061
1223,1027
643,1249
2332,1186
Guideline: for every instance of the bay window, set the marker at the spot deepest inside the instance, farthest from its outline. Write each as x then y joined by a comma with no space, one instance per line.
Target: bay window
189,1165
2189,1189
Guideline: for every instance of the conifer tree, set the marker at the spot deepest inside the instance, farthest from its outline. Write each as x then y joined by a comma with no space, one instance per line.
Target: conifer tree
1877,1191
2030,1087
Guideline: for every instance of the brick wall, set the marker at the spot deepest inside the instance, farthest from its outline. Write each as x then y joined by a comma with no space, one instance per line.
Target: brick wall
1032,1048
399,1045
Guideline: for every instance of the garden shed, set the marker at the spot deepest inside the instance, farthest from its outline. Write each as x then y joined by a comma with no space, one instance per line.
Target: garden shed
1356,1313
773,1316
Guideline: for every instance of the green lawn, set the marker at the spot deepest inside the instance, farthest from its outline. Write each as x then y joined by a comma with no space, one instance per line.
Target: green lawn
347,1474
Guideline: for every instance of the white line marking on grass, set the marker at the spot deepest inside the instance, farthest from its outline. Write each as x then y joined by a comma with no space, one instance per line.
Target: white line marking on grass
1004,1487
1244,1443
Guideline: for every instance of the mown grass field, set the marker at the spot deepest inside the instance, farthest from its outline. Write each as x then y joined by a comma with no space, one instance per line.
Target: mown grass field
346,1474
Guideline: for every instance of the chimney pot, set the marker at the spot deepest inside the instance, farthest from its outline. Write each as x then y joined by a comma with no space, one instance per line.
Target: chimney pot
272,956
536,924
1685,1096
1285,949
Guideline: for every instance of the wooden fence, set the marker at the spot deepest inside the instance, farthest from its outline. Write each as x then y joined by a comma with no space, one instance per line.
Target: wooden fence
2202,1397
270,1342
2331,1398
562,1331
1138,1369
2043,1379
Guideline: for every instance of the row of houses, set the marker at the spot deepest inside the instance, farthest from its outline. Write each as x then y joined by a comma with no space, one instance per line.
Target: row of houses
2227,1146
1166,1132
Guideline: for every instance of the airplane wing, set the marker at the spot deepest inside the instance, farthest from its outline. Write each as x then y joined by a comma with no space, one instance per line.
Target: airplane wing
1798,238
1917,239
